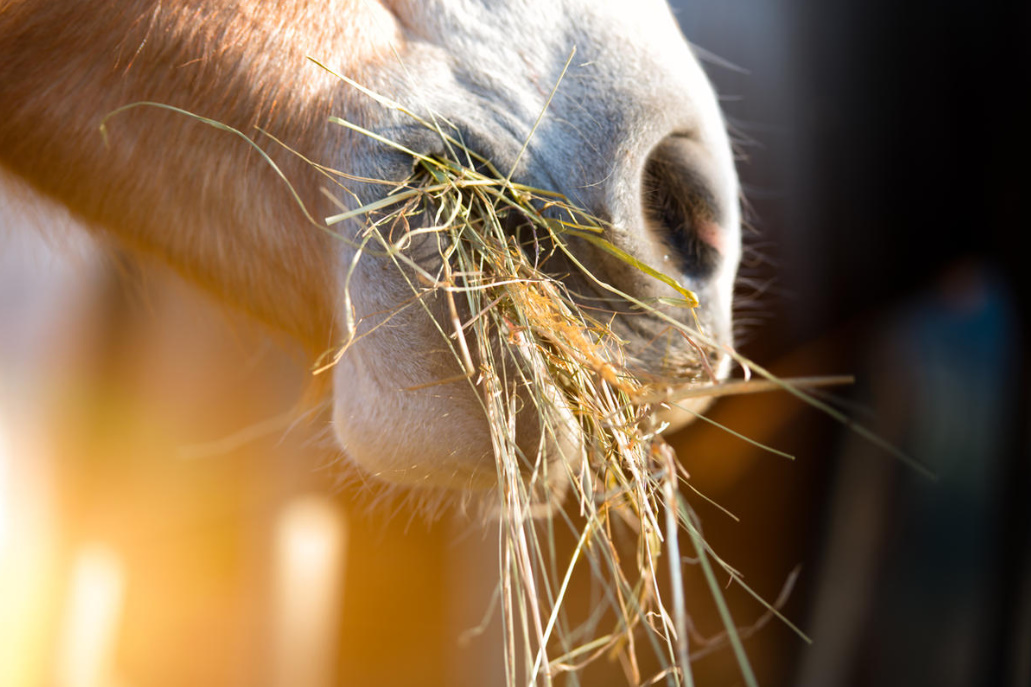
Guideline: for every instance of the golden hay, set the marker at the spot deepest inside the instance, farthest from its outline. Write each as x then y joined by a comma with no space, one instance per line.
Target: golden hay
521,337
531,341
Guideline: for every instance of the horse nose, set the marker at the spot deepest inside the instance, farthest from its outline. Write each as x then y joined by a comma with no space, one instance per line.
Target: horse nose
688,206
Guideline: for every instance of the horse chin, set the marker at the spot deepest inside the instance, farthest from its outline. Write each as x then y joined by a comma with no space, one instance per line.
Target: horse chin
399,435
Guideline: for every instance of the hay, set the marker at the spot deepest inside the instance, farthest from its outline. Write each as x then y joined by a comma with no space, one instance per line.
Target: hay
521,337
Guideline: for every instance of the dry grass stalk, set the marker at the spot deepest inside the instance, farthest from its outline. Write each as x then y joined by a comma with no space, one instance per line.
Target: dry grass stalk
522,337
531,341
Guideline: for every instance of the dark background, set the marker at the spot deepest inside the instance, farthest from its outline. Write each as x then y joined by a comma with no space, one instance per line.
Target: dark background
884,164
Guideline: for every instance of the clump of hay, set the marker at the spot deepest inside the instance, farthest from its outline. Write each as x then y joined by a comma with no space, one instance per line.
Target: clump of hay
521,336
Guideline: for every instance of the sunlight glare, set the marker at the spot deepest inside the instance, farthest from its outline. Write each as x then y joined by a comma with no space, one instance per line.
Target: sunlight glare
310,540
90,626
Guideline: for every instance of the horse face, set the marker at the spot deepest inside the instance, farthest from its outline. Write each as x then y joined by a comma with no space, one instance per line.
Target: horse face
633,134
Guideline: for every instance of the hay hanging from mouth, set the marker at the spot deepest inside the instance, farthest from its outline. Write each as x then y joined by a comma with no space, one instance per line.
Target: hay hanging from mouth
521,337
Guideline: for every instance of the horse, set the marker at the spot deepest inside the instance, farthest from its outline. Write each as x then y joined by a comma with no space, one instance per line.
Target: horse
119,118
601,102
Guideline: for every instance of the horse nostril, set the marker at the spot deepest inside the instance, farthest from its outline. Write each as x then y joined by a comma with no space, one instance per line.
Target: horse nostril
681,206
